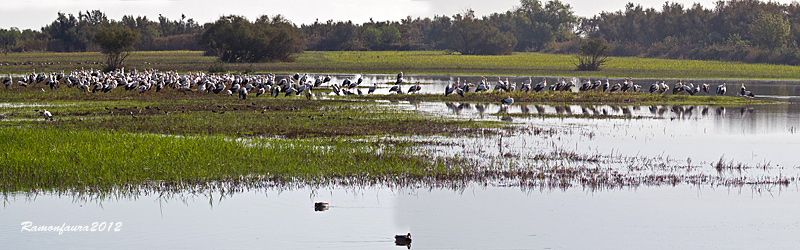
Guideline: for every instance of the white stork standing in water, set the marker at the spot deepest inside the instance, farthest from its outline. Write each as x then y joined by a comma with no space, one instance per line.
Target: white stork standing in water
585,85
655,87
414,89
481,85
541,85
614,88
721,89
663,87
677,88
526,85
743,90
449,89
317,81
310,95
326,79
510,87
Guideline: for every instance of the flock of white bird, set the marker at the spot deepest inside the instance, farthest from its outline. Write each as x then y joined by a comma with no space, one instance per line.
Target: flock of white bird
148,80
243,84
659,87
240,84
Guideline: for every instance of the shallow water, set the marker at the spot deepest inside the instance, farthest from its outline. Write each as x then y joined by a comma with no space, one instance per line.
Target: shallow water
751,134
435,84
681,217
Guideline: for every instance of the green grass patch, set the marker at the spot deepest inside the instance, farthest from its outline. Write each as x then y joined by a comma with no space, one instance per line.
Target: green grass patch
412,62
44,158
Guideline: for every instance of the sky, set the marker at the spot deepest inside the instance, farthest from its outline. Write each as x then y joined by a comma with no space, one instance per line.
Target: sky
34,14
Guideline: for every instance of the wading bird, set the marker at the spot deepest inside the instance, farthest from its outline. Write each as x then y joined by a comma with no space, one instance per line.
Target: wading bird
721,89
507,101
243,93
47,116
743,90
541,85
372,89
399,78
678,87
7,81
654,88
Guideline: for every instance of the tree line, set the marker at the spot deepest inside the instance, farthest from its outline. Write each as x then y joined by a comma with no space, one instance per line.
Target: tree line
734,30
737,30
71,33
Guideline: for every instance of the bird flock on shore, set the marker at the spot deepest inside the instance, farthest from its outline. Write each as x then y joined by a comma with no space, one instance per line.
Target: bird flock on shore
659,87
152,80
243,85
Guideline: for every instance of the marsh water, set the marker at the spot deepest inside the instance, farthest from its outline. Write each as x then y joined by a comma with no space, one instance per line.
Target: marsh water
435,84
675,194
681,217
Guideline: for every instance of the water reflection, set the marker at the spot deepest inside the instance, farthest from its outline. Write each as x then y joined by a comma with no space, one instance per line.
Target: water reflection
681,112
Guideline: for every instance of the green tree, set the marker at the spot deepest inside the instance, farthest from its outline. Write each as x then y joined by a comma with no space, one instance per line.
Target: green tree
235,39
771,30
116,42
593,55
371,37
471,36
8,39
390,34
535,25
